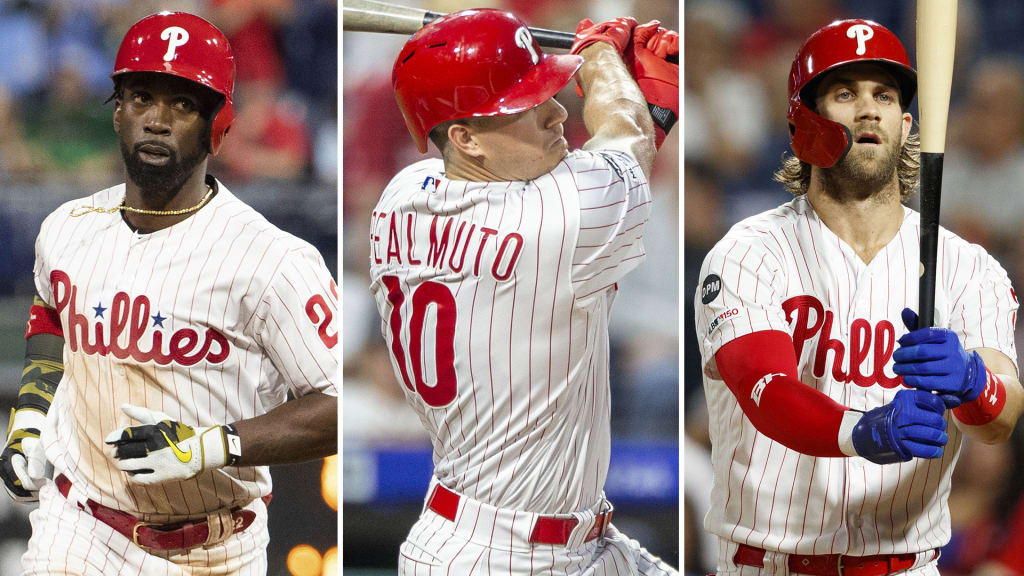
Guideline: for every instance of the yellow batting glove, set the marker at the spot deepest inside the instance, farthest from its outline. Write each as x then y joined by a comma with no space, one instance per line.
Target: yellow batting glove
163,450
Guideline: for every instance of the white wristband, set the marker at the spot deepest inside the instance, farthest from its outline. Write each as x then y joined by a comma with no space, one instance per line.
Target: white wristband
850,419
215,450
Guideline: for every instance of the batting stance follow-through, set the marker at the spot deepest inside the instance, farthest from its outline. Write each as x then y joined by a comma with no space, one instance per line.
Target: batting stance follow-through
494,272
171,322
835,421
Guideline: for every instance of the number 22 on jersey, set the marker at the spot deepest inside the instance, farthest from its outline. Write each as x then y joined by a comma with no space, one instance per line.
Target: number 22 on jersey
427,294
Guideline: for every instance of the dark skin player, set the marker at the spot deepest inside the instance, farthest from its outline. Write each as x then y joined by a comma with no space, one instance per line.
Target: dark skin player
162,122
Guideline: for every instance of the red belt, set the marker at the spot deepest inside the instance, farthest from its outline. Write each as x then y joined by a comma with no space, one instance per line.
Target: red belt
547,530
833,564
177,536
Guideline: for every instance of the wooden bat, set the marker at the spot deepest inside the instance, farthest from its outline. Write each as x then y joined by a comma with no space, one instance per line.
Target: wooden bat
936,39
373,16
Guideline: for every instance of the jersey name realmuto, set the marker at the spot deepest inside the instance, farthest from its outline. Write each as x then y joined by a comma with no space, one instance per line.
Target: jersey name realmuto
494,299
785,270
210,321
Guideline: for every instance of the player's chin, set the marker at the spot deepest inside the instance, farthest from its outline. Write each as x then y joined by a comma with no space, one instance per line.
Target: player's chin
556,151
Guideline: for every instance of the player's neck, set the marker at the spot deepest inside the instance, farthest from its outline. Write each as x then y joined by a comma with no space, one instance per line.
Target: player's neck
867,223
189,195
462,167
459,167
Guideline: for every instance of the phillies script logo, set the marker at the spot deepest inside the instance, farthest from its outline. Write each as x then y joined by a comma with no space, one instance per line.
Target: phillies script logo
132,317
810,320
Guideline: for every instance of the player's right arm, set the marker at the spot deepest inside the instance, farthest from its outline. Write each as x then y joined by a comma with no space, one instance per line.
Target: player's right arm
22,463
614,109
761,371
747,344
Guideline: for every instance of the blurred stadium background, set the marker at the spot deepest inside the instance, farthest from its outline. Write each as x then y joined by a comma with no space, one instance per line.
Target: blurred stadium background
57,143
387,463
737,58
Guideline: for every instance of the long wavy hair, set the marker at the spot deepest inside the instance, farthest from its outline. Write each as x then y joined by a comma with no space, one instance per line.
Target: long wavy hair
796,175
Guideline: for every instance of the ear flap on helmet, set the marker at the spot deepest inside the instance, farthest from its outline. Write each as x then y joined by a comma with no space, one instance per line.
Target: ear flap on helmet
814,139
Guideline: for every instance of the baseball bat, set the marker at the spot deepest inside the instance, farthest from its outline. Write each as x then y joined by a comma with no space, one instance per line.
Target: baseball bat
373,16
936,40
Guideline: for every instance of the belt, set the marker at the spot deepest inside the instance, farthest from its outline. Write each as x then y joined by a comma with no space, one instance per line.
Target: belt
176,536
554,530
834,564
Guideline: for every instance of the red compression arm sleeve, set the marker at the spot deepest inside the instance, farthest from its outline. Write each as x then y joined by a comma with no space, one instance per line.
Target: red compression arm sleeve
760,369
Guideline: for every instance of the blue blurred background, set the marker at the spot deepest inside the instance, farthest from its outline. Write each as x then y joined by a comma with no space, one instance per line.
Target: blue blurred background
57,143
737,59
387,462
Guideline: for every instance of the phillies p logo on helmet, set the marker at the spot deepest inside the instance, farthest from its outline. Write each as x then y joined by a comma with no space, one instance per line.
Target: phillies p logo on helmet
175,36
525,41
862,33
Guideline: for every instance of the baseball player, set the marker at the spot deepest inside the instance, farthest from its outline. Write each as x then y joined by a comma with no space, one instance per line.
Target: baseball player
835,421
170,324
494,271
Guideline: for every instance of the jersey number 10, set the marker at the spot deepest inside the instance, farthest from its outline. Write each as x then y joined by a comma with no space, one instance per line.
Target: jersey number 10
438,295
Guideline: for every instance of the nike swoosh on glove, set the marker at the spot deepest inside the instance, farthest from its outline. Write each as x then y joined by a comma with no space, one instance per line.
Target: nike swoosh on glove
164,450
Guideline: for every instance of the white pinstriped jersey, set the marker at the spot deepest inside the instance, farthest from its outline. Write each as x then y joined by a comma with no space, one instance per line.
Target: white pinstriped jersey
210,321
494,299
785,270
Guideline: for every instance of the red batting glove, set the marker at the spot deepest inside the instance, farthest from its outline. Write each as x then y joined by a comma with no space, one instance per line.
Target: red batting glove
647,57
616,32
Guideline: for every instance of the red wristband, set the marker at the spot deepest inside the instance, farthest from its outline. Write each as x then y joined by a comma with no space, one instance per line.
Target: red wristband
43,320
987,406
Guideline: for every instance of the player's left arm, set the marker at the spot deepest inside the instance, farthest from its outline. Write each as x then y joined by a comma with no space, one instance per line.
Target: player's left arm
161,449
298,333
305,428
980,385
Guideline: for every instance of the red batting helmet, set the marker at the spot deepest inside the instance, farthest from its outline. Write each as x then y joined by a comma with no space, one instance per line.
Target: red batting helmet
474,63
814,139
186,46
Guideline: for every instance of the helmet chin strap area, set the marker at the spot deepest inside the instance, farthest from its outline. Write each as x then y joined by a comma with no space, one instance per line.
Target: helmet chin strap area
816,140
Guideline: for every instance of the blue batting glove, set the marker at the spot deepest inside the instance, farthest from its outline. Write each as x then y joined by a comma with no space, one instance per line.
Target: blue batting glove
911,426
933,359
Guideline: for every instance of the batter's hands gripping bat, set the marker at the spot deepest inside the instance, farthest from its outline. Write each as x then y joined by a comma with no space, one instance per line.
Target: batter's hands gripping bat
373,16
936,40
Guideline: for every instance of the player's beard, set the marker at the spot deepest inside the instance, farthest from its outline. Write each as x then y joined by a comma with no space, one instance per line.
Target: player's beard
160,182
865,173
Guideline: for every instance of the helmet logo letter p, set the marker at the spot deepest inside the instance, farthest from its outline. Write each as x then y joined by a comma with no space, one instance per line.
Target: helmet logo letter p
525,41
863,34
176,36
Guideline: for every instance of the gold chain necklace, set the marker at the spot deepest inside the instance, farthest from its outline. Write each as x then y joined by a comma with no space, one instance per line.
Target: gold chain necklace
83,210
